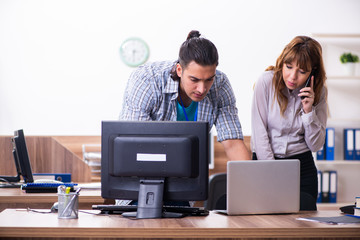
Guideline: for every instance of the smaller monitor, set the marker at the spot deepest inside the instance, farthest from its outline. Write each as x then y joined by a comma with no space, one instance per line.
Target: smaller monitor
21,159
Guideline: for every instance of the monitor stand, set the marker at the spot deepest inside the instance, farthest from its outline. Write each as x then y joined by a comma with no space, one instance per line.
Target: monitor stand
150,201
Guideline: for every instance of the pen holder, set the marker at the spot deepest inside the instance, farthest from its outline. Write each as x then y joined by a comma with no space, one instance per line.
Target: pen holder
68,205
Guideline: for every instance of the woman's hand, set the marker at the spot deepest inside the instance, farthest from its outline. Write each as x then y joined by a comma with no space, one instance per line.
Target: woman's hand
309,95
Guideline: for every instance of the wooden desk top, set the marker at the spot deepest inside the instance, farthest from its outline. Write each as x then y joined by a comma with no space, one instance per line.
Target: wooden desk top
22,223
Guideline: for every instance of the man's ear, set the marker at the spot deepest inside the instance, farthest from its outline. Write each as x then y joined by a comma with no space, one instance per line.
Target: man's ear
179,70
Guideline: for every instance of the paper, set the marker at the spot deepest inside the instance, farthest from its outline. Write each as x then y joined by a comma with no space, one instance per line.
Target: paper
347,219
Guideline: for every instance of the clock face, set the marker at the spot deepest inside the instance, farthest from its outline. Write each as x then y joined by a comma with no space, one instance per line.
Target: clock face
134,52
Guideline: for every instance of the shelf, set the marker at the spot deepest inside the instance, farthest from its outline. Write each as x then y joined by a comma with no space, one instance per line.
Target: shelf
336,35
348,41
333,206
346,120
340,123
338,162
332,78
344,112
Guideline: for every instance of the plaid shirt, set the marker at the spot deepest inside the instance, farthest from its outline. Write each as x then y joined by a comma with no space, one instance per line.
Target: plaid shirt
151,95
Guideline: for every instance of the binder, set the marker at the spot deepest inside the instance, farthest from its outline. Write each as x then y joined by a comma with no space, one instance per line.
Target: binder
319,174
320,155
333,186
325,187
330,144
349,140
62,177
357,143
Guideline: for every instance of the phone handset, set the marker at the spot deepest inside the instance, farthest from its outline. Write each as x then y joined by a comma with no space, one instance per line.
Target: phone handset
308,81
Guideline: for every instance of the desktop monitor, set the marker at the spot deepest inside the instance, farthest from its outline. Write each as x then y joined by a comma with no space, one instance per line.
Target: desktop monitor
153,162
21,159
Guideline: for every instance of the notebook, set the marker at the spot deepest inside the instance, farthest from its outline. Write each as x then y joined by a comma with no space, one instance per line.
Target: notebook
263,187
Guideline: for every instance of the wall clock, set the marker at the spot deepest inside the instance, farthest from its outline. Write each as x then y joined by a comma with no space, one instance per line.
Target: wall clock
134,52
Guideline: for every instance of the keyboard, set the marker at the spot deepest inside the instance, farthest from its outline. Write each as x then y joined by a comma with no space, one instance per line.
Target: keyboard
186,210
46,187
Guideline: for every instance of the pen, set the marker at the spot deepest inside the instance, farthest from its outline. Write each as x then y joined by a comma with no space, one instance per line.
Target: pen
70,205
61,189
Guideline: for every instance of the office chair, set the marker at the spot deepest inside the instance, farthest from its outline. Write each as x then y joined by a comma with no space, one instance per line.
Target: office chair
217,195
217,192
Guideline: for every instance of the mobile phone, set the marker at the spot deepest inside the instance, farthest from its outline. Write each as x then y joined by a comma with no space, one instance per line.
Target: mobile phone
308,81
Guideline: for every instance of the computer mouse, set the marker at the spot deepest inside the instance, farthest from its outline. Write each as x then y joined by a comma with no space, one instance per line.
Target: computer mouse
55,207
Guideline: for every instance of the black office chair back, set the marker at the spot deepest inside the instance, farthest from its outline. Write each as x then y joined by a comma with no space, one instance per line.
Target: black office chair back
217,192
217,195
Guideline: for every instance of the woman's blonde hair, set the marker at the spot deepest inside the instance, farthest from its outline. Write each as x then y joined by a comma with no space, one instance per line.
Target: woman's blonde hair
307,53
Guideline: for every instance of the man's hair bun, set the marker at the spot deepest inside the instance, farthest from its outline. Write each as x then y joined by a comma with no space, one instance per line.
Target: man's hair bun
193,34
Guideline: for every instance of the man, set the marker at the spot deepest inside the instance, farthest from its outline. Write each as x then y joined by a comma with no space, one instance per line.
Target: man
190,89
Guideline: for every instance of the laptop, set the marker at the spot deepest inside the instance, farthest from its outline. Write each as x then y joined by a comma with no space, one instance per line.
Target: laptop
263,187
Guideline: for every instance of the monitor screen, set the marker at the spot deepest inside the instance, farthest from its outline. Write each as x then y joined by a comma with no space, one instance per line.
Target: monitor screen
20,150
153,162
21,159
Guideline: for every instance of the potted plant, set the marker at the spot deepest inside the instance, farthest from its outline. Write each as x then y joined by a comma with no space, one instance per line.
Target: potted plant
348,60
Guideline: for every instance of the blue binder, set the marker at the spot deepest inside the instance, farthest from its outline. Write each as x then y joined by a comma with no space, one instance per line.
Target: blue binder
325,187
62,177
349,141
320,155
319,174
333,186
330,143
357,144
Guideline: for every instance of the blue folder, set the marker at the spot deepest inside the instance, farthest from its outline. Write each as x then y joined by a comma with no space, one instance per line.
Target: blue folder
333,186
357,144
62,177
325,187
319,174
349,141
330,144
320,155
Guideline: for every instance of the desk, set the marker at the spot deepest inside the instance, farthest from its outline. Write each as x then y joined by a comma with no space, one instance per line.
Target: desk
21,223
16,198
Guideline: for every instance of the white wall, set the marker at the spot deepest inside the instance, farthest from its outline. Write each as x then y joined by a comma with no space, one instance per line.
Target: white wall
61,74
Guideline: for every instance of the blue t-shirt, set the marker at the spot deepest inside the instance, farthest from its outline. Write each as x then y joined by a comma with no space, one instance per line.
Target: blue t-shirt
190,111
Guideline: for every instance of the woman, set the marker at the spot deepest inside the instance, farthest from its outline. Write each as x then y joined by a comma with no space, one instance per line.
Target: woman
289,118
